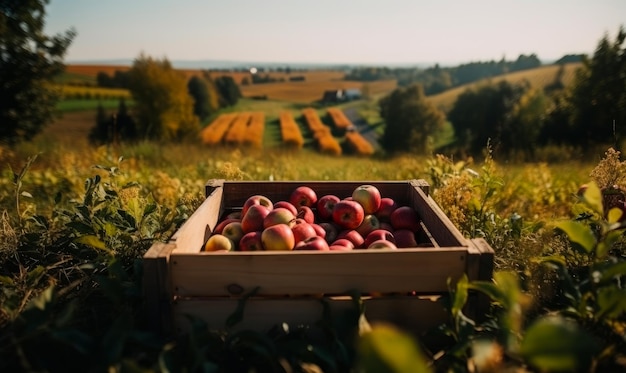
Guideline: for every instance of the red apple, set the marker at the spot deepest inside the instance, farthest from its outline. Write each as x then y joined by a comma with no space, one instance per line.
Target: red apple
405,238
382,244
288,205
251,241
256,200
253,219
325,206
312,243
306,213
331,231
348,214
405,217
220,226
278,237
387,206
219,242
368,196
343,242
279,215
378,234
303,196
302,230
234,231
370,223
319,230
353,236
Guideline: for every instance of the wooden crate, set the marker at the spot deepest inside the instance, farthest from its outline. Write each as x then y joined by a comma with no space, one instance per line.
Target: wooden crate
397,286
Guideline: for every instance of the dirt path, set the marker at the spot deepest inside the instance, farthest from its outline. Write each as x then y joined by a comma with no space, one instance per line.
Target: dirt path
70,127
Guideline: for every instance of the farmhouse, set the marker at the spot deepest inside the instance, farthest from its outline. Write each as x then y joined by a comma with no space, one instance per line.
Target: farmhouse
341,95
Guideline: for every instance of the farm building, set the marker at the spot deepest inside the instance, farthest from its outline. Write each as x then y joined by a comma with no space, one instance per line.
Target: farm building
341,95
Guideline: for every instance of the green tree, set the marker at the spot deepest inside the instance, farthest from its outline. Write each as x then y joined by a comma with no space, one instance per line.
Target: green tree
410,120
29,60
598,97
228,91
199,91
483,115
163,106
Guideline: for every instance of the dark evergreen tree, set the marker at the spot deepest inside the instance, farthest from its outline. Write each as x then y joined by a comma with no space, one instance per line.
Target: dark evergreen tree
228,91
200,93
410,120
29,60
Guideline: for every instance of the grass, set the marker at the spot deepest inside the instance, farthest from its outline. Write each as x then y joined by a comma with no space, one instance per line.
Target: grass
75,105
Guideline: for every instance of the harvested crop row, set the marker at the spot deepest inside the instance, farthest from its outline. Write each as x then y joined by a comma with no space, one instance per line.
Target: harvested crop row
325,141
214,132
237,131
254,132
359,144
290,131
339,118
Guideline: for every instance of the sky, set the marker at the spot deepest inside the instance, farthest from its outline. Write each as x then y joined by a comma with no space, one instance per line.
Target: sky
389,32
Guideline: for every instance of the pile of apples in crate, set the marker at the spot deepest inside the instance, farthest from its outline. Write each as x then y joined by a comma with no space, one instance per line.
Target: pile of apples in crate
363,220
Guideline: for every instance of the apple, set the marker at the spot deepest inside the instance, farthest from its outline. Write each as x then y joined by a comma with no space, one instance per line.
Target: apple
319,230
331,231
382,244
339,248
387,206
279,215
253,219
343,242
234,231
405,238
256,200
312,243
219,242
302,230
348,214
251,241
220,226
288,205
234,215
306,213
303,196
386,226
368,196
351,235
370,223
278,237
378,234
405,217
325,205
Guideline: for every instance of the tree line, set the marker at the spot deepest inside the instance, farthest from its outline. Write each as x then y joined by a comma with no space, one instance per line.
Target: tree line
437,79
518,118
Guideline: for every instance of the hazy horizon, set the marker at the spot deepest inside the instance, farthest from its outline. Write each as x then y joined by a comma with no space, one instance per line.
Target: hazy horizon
397,32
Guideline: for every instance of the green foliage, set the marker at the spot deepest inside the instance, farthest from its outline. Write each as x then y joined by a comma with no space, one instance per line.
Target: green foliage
228,91
115,128
199,91
598,99
163,105
30,61
411,120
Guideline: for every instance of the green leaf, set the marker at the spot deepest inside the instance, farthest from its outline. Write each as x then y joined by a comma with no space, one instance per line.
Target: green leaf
387,349
43,299
612,303
556,344
26,194
93,241
6,280
615,270
578,233
460,295
614,215
593,198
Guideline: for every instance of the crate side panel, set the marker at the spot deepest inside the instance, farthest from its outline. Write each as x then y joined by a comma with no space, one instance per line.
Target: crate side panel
383,271
439,225
414,314
192,235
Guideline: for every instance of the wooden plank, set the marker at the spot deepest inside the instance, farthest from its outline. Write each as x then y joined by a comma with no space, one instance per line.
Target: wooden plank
156,288
482,303
413,314
307,272
192,235
438,224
